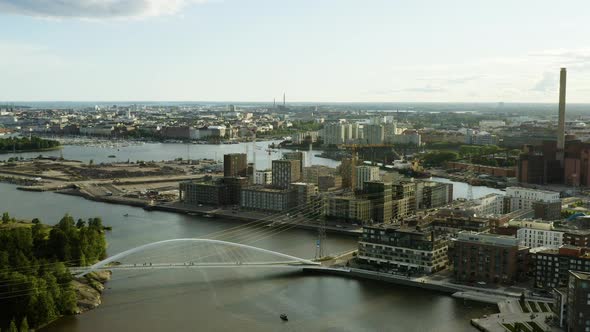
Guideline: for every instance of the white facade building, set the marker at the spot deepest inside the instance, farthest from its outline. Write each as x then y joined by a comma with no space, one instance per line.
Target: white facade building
263,177
523,198
366,173
535,234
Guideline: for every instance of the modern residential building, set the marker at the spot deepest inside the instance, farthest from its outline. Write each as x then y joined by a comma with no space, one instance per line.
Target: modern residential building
304,192
576,237
578,302
403,199
453,224
402,249
489,205
335,134
488,258
364,174
552,266
285,172
296,155
348,209
219,192
209,193
380,195
535,234
373,134
266,199
263,177
329,182
430,194
524,198
235,164
312,173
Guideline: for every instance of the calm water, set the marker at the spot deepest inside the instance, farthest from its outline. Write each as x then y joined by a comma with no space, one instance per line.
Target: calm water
221,300
167,151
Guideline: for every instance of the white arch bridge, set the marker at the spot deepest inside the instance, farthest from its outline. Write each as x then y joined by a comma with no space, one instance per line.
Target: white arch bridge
194,253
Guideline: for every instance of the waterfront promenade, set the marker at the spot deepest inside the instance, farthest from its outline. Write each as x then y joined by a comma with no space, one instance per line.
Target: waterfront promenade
533,311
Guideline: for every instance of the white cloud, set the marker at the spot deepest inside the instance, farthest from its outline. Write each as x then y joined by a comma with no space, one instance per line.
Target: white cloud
547,83
94,9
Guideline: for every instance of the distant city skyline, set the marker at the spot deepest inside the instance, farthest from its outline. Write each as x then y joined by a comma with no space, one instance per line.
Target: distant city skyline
315,51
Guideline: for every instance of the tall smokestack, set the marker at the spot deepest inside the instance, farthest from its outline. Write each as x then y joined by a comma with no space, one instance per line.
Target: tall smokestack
284,100
561,123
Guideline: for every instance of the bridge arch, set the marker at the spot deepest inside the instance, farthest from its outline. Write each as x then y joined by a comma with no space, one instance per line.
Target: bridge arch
164,242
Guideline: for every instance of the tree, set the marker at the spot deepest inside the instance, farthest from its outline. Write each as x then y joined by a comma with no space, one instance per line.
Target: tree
12,327
5,217
24,325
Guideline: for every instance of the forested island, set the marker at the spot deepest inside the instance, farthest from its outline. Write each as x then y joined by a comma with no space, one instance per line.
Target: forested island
24,144
36,286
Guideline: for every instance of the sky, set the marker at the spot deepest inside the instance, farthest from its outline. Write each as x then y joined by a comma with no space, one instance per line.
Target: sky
313,50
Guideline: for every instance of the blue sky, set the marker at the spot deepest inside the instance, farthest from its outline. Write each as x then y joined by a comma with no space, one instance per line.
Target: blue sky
316,50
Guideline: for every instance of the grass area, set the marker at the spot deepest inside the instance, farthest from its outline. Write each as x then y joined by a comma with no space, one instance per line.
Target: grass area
533,306
517,327
550,305
544,307
535,326
509,327
523,306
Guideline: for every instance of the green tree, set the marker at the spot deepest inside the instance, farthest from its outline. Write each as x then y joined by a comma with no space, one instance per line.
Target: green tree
24,325
12,327
5,217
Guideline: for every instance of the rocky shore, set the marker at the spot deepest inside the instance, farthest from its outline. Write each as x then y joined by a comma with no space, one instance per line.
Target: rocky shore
89,289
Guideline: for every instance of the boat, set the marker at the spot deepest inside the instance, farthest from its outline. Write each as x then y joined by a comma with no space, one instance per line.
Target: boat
208,215
126,215
112,156
284,317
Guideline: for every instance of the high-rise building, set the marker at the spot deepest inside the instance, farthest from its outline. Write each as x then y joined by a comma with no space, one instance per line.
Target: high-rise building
235,164
374,134
578,302
285,172
333,134
364,174
296,155
380,194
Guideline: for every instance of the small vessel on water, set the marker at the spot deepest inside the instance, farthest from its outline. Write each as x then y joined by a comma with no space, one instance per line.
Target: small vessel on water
126,215
112,156
284,317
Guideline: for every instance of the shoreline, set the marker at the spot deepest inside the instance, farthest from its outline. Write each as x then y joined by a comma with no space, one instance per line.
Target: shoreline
59,147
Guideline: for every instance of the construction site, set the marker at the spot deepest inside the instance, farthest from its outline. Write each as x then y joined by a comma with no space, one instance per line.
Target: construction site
138,184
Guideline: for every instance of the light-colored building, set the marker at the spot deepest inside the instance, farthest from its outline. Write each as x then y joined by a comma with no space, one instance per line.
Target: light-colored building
373,134
489,205
364,174
491,124
263,177
334,134
523,198
535,234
